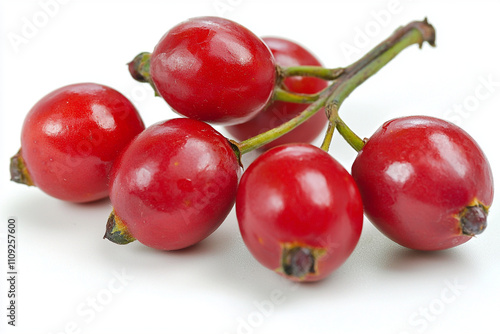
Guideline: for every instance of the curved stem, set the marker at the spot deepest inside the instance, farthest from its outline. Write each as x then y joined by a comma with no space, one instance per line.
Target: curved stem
312,71
287,96
335,122
325,146
352,138
416,32
261,139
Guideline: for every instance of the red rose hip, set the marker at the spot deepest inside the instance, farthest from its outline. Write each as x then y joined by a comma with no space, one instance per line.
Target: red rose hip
70,139
214,70
425,183
173,186
287,53
299,211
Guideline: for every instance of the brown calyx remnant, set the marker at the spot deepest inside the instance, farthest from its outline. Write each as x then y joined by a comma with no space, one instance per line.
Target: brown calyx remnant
116,230
473,218
298,261
18,171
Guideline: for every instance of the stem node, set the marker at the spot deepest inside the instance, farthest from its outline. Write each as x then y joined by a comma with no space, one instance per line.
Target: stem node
345,81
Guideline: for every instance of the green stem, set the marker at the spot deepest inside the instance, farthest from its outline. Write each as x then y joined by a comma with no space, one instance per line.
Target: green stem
335,122
325,146
416,32
312,71
261,139
287,96
352,138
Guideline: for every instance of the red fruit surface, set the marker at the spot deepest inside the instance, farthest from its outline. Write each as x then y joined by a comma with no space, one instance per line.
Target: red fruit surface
287,53
214,70
297,196
417,175
175,183
71,137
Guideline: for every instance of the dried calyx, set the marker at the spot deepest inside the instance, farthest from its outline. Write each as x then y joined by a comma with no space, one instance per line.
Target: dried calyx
116,230
299,261
18,171
473,219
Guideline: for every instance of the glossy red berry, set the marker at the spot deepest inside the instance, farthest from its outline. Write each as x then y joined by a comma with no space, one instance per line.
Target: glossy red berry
299,211
287,53
70,139
173,186
214,70
425,183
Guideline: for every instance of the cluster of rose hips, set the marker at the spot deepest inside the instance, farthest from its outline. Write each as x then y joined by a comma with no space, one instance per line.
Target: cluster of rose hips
422,181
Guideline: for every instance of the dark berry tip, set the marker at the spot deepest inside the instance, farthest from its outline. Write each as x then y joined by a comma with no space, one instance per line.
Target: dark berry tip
18,171
236,150
134,73
139,67
116,231
298,262
473,220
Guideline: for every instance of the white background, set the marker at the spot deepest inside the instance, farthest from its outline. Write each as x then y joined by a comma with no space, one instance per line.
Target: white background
72,281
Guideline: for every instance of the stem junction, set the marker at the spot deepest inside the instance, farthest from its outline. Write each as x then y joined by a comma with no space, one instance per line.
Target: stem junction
345,80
